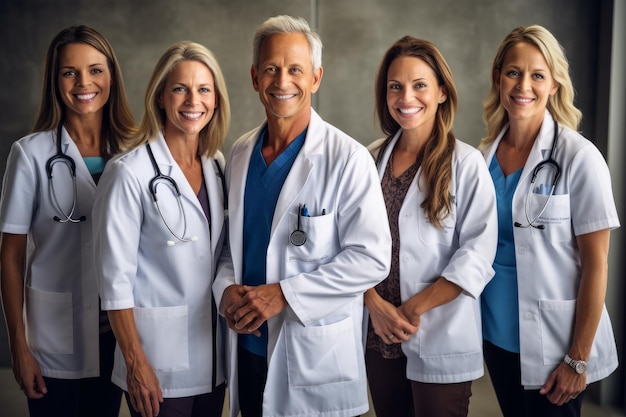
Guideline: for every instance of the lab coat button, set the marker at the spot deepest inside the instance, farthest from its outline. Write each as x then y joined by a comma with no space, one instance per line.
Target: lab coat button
521,250
528,315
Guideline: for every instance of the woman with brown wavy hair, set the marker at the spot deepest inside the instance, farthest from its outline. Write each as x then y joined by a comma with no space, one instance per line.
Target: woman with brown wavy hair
424,340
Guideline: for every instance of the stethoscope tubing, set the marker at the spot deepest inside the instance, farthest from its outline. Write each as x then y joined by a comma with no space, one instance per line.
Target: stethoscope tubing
549,162
68,161
159,177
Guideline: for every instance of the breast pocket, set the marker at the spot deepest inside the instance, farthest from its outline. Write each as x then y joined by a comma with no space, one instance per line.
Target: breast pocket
163,332
431,235
50,325
554,213
318,355
320,244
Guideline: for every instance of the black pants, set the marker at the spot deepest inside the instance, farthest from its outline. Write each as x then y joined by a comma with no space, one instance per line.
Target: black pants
203,405
87,397
514,400
252,374
389,387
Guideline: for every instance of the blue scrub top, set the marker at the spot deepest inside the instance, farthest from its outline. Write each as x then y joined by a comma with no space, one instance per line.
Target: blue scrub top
500,308
263,185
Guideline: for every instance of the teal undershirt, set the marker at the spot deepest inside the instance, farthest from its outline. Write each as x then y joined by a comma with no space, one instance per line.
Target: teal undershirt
500,312
95,165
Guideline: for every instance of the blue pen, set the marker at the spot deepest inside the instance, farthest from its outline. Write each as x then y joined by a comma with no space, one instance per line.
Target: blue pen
305,211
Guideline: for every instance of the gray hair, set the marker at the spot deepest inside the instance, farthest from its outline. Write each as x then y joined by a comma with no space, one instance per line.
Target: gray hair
287,24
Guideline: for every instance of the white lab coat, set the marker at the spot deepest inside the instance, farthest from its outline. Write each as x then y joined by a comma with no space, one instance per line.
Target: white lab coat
548,262
169,287
60,296
447,348
315,348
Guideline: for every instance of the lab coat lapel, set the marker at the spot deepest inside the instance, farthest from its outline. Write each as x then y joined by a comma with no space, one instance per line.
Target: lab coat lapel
387,154
541,147
290,195
215,195
165,161
85,185
238,163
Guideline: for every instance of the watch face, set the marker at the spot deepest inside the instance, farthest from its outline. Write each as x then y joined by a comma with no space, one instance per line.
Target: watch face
580,367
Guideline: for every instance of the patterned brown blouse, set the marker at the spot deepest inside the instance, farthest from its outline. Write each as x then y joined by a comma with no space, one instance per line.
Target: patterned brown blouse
394,192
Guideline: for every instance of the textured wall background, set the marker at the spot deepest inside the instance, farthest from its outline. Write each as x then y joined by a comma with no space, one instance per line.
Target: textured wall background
355,33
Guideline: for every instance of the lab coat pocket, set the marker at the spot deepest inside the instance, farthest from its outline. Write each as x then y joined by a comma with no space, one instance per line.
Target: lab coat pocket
320,355
557,328
431,235
451,329
319,247
49,321
163,332
556,217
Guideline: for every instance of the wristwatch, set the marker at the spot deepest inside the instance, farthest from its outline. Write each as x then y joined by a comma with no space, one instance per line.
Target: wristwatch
579,366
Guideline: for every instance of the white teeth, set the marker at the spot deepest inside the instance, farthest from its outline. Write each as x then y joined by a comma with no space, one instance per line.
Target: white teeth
86,96
191,115
409,111
283,96
522,100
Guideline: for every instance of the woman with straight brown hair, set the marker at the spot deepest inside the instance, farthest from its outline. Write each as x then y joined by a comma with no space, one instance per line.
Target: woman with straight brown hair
61,344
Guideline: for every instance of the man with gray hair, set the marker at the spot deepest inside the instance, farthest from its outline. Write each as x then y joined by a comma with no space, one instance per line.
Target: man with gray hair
308,235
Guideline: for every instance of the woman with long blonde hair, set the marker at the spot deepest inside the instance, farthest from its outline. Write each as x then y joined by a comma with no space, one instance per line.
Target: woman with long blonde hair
546,330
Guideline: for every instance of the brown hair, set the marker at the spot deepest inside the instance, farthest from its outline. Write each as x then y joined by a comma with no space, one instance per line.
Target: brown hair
118,123
436,168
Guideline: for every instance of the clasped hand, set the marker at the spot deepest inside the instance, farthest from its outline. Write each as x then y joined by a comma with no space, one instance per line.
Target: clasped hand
246,308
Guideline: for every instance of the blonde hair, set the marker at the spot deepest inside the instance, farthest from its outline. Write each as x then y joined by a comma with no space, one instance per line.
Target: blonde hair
211,137
560,105
118,123
436,167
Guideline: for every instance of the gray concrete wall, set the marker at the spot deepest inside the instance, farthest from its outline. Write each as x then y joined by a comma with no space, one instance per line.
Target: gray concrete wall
356,33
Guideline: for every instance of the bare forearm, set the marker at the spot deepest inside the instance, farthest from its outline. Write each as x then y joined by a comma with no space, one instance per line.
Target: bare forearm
594,248
12,285
123,325
439,293
591,296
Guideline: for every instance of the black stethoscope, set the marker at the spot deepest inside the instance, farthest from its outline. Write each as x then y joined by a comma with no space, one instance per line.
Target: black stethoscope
547,163
298,236
60,157
160,178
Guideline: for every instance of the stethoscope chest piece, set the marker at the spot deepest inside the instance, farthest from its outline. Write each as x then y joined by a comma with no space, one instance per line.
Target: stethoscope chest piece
297,237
